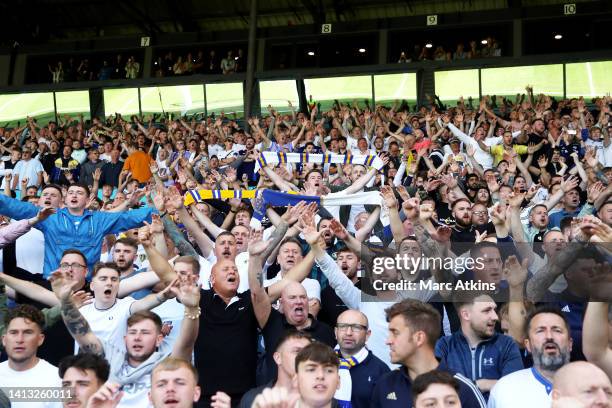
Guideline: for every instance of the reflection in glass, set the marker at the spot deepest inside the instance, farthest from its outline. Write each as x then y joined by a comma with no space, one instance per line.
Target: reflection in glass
16,108
72,103
343,89
225,97
123,101
392,87
451,85
588,79
277,93
546,79
179,100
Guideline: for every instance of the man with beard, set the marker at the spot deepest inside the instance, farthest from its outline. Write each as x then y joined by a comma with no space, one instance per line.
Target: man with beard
463,231
477,351
550,343
331,247
124,255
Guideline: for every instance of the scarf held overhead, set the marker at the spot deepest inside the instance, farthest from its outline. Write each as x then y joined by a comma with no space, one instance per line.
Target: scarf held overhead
369,160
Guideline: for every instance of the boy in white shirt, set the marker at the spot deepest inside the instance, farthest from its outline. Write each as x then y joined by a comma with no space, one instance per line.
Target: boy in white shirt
107,315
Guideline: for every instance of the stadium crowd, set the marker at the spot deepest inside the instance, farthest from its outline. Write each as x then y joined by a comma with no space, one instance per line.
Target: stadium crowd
94,69
487,48
219,263
199,63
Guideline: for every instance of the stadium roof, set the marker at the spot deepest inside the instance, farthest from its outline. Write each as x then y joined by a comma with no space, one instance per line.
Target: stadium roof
40,21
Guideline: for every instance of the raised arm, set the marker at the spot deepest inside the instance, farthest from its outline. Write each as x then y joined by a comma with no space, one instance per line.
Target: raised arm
280,182
31,290
595,338
397,227
361,182
139,281
516,275
175,199
261,302
188,293
541,281
16,209
206,223
14,230
152,300
158,263
75,322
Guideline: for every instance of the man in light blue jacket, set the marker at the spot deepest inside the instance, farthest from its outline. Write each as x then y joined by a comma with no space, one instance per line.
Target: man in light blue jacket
74,226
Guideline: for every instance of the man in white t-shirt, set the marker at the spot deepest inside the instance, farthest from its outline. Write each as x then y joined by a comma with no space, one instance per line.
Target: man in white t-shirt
24,335
550,342
27,169
144,343
107,315
289,255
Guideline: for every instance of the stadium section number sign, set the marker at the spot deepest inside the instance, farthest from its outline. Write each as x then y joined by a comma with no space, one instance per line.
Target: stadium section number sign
569,9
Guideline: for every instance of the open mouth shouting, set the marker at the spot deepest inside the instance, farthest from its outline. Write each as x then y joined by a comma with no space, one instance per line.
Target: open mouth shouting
551,348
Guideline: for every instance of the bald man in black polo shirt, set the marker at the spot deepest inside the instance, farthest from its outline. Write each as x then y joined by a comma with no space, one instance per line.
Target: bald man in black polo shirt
226,349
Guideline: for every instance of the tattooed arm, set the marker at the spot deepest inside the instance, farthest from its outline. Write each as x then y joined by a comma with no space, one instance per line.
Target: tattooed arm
177,237
75,322
541,281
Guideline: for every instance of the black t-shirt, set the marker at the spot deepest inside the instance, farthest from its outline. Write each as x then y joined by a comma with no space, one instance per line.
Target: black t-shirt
277,325
331,305
544,150
226,348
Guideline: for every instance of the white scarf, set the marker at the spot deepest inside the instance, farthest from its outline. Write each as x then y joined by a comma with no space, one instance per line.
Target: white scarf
344,393
369,160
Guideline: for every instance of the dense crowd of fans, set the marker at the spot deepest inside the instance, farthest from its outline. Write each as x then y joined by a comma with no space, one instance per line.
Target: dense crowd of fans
487,48
248,248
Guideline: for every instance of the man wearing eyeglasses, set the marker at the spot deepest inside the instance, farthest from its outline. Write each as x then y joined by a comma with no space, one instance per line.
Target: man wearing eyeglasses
352,332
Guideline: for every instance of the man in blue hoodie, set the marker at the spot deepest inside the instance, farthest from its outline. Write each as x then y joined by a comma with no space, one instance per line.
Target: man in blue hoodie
477,351
75,226
414,328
